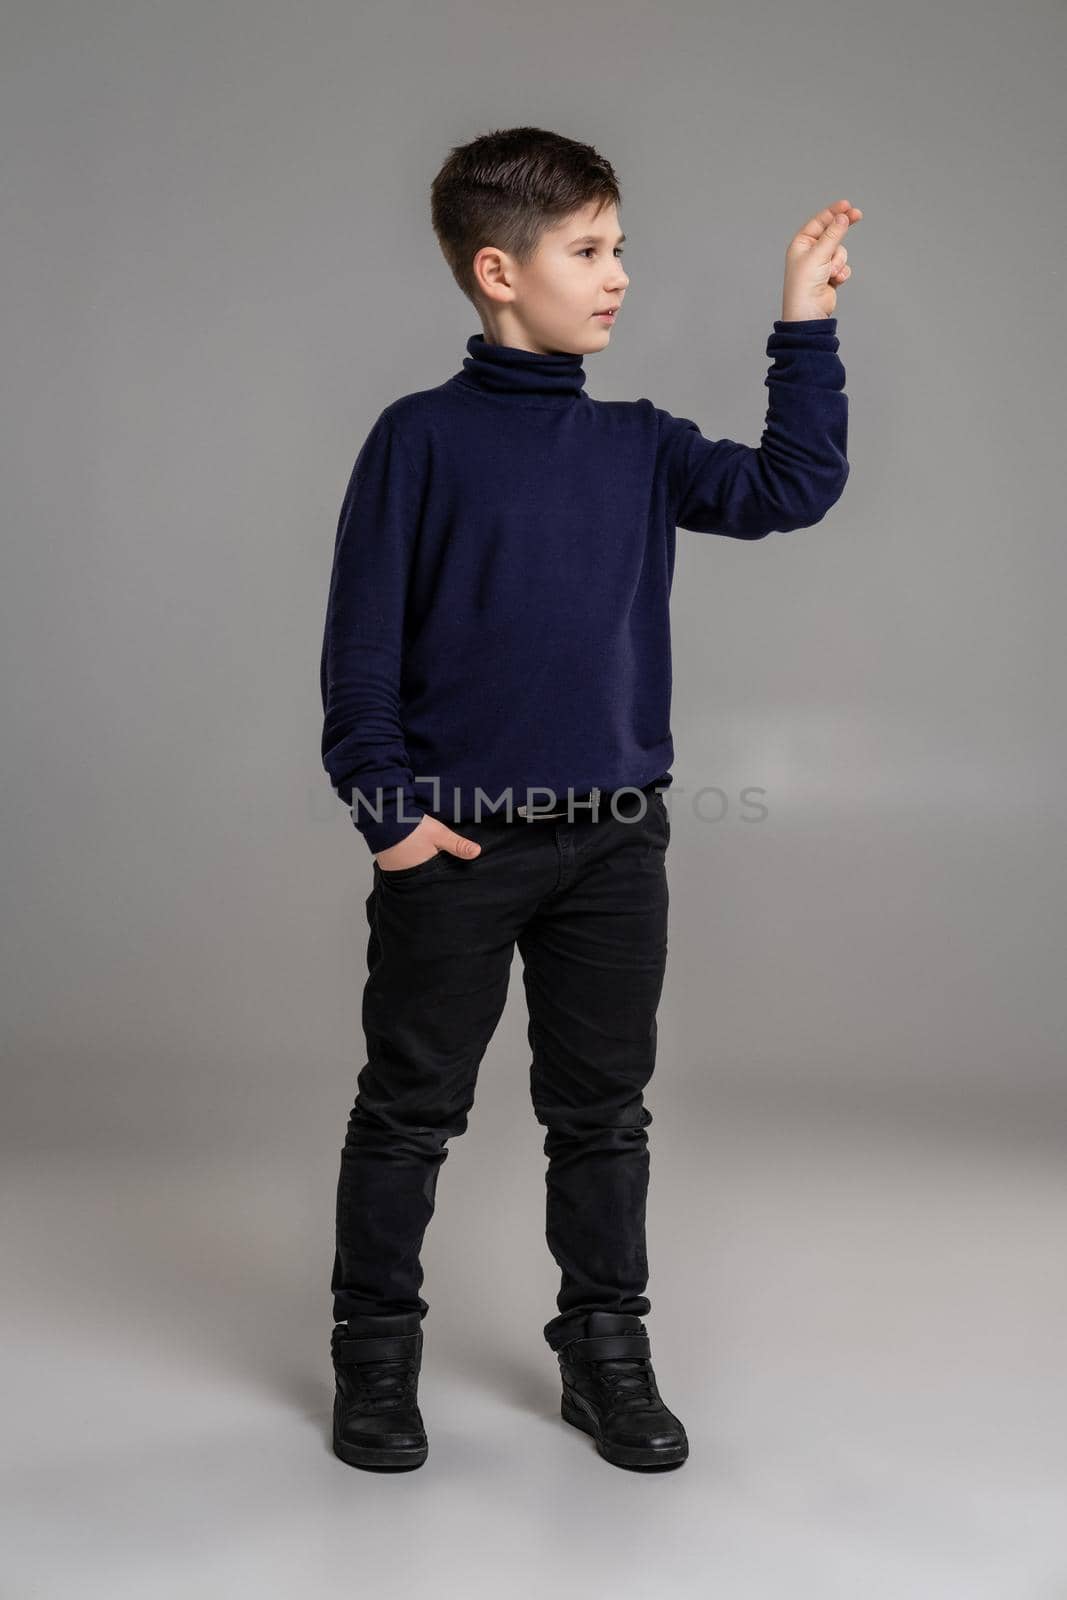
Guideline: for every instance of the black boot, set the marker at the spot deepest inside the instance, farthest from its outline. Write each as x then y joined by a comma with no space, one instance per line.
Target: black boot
376,1417
609,1391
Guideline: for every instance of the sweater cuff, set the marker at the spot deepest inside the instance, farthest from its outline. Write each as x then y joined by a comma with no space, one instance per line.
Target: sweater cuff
808,325
400,815
799,351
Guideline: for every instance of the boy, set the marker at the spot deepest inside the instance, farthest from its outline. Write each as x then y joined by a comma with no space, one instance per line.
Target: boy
497,654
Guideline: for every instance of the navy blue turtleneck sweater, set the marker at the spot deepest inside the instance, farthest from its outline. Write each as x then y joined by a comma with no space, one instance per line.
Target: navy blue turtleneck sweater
498,612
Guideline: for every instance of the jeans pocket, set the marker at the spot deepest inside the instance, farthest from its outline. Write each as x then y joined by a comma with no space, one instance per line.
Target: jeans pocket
421,869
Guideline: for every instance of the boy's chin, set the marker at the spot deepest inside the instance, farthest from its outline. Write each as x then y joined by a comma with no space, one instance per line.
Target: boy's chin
585,341
598,336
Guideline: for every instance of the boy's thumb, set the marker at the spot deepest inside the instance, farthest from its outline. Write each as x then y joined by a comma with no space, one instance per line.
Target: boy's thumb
457,845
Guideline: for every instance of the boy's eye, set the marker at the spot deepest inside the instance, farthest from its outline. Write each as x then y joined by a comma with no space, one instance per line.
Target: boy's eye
592,247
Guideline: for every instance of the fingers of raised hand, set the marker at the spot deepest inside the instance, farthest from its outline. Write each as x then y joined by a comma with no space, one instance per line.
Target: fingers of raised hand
835,221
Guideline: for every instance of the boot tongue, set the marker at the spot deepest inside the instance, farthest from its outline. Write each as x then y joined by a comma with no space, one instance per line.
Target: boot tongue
627,1373
389,1380
600,1322
385,1324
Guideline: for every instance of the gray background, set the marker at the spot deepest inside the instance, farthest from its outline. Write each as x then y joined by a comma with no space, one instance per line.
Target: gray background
218,268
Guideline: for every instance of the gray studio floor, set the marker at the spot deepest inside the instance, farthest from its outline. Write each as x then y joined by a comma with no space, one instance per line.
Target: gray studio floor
870,1363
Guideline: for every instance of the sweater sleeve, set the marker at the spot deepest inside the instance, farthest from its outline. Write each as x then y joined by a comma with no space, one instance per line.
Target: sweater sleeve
798,470
363,747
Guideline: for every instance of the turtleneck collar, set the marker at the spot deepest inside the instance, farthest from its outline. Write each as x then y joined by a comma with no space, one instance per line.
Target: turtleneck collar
505,370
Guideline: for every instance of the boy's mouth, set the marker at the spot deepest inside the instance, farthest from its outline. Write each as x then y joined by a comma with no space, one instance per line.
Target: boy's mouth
607,316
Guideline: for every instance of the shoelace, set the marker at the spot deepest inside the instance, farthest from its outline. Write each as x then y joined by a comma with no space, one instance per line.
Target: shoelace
630,1379
388,1384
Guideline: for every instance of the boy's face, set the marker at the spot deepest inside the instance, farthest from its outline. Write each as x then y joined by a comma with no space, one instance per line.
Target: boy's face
553,303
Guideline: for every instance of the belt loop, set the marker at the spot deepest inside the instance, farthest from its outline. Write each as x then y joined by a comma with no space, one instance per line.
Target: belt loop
592,800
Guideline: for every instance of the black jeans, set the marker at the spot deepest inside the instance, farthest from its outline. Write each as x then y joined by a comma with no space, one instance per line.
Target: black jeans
587,904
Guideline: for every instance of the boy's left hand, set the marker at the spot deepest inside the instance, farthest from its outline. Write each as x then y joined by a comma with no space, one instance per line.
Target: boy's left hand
815,263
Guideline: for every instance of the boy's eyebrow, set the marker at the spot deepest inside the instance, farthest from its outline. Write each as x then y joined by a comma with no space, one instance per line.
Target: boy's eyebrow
595,238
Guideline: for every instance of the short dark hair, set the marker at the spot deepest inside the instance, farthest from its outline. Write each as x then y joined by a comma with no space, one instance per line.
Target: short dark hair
504,188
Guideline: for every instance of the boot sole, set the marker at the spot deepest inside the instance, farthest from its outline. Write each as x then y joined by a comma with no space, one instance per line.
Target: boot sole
623,1455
